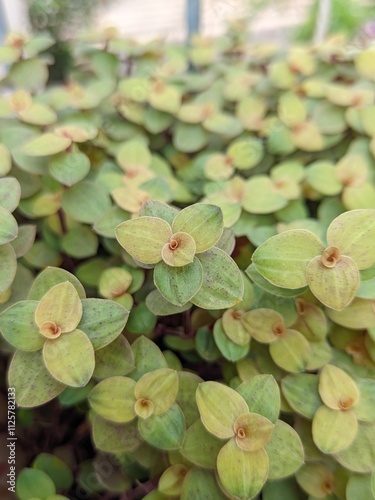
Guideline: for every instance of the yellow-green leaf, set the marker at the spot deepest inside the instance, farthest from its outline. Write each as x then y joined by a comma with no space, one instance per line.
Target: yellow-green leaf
337,389
333,430
160,387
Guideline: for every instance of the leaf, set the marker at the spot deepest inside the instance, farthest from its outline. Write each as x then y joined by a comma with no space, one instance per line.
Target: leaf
33,383
243,474
365,408
165,431
50,277
283,258
178,284
85,201
291,109
252,431
262,396
262,197
25,239
172,479
360,487
302,394
360,455
160,387
18,327
246,154
30,74
353,233
333,430
160,306
263,324
179,251
132,155
5,160
69,167
56,469
144,238
10,193
116,358
316,479
113,437
222,285
80,242
62,306
189,138
155,208
8,226
285,451
45,145
147,356
217,418
34,483
203,222
8,266
113,399
334,286
230,350
70,358
201,447
337,389
102,321
199,484
291,351
233,327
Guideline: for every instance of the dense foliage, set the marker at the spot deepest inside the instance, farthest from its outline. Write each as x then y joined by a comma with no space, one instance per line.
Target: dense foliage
187,269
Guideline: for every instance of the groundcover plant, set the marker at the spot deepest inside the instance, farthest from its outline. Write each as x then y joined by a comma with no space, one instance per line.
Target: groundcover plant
187,270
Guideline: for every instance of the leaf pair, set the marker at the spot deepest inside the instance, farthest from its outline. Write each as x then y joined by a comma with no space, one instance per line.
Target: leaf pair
297,258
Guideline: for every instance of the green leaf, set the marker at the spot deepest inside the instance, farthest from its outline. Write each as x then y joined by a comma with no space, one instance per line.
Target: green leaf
252,431
160,306
102,321
258,279
302,394
230,350
144,238
70,358
8,266
242,474
34,483
321,176
25,239
132,155
334,286
234,328
262,395
113,399
217,418
178,284
284,488
172,479
56,469
155,208
80,242
114,359
283,259
222,285
18,326
8,226
179,251
201,447
365,408
141,320
360,455
45,145
165,431
33,383
291,109
316,480
113,437
291,351
337,389
30,74
199,484
61,306
189,138
69,167
10,193
285,451
147,356
160,387
51,277
85,201
262,197
333,430
357,315
353,233
106,224
203,222
5,160
360,487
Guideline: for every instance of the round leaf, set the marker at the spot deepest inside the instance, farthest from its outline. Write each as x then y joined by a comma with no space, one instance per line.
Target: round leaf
262,396
333,430
337,389
283,259
8,266
203,222
70,358
144,238
285,451
70,167
113,399
165,431
34,483
178,284
179,251
18,326
33,383
216,417
160,387
85,201
242,474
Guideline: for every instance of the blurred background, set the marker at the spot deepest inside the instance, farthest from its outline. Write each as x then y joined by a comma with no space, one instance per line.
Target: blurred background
279,21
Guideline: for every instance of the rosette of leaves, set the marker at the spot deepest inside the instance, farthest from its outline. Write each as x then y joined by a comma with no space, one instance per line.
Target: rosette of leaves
181,248
248,422
56,332
296,258
147,404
